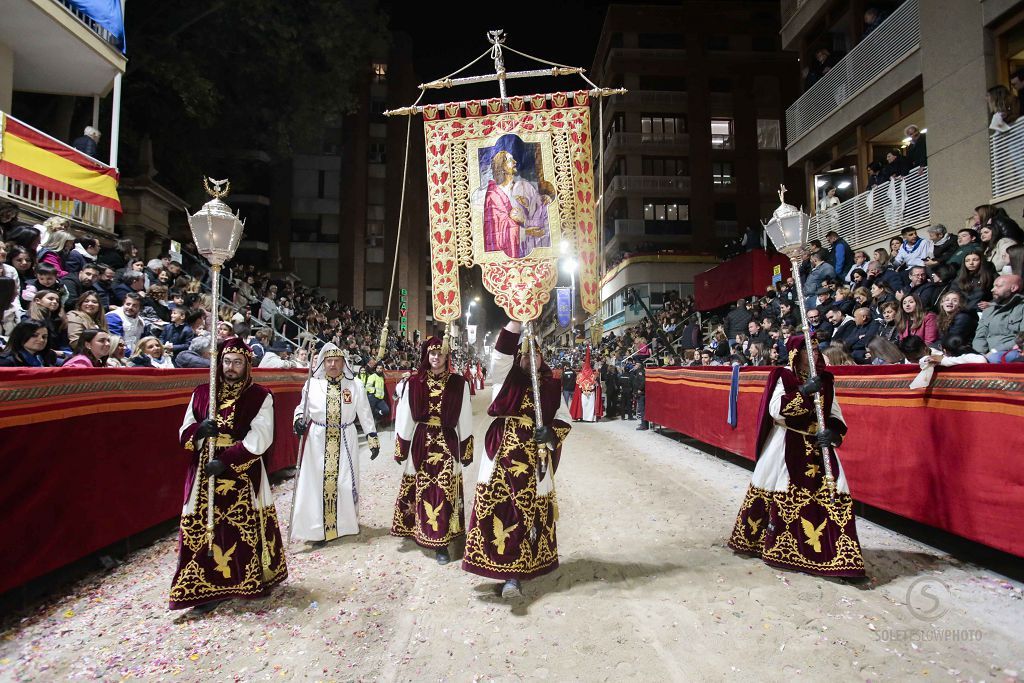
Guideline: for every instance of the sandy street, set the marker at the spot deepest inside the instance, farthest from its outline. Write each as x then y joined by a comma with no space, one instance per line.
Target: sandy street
647,591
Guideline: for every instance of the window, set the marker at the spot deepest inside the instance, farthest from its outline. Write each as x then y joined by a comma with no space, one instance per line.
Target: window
665,166
673,83
666,210
661,127
721,134
380,72
769,134
378,152
321,183
720,85
374,298
617,125
717,42
722,173
375,255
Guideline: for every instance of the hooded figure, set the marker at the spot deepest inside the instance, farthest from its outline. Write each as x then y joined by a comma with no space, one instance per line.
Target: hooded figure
434,438
246,557
512,529
327,492
788,517
586,398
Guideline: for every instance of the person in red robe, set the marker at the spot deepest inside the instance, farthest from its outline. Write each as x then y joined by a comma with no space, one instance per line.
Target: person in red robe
246,557
789,517
512,529
467,374
434,438
586,398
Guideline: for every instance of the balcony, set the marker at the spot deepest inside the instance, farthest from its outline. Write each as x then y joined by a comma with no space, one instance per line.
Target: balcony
882,52
1007,155
622,185
618,57
874,216
654,100
46,177
646,143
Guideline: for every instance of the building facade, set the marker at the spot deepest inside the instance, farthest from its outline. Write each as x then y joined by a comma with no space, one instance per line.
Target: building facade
891,65
693,152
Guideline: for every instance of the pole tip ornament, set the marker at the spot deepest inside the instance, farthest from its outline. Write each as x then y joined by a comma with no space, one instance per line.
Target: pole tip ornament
220,189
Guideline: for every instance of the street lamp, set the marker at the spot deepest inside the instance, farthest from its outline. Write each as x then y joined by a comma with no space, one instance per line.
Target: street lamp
216,232
788,231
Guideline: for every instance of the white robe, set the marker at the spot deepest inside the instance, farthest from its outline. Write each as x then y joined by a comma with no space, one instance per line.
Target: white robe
587,406
308,518
770,472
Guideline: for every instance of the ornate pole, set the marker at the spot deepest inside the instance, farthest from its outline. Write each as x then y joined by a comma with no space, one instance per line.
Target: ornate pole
497,38
534,381
211,443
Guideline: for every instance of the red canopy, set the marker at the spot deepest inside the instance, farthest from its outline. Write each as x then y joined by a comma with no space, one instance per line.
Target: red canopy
738,278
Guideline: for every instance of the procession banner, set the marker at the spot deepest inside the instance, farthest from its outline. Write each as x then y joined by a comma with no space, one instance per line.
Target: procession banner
563,299
506,189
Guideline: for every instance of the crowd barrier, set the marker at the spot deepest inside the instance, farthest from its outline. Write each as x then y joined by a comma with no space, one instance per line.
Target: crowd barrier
949,455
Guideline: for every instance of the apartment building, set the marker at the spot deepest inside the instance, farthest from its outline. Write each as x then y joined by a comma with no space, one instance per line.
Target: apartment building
923,63
694,151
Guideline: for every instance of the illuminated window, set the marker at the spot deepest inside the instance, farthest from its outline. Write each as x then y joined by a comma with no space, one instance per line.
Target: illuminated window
380,71
722,173
721,134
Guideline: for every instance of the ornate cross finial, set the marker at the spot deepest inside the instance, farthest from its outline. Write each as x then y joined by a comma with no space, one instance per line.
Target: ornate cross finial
496,37
782,194
220,188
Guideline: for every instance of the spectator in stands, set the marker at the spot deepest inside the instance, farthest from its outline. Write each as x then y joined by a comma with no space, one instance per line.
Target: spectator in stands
823,62
56,249
75,284
967,242
87,314
738,319
8,219
116,358
1014,355
865,329
126,321
883,352
914,319
104,286
1002,321
225,330
45,280
88,142
913,250
995,244
836,354
1003,107
829,200
821,271
277,356
857,273
889,329
197,321
84,252
10,305
46,309
197,355
920,287
895,166
118,257
154,307
92,350
28,346
873,18
1017,85
943,245
974,282
914,349
955,351
131,281
149,353
177,336
917,149
874,174
841,257
842,325
757,334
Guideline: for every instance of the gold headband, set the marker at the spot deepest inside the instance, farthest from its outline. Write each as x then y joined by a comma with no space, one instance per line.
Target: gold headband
334,353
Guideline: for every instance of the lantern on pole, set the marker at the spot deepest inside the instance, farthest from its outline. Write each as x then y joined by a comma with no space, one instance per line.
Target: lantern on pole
217,232
788,230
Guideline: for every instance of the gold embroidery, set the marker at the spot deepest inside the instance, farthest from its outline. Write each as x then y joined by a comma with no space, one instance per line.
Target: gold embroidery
795,407
501,534
221,559
332,460
432,513
813,534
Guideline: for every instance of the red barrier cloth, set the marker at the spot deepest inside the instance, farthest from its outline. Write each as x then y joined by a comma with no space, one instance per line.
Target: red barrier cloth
91,456
947,455
746,275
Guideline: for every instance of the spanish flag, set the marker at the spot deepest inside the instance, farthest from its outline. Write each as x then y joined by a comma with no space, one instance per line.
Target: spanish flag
37,159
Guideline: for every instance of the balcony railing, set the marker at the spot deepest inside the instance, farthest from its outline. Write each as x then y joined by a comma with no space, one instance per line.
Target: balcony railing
1007,153
90,23
896,39
878,214
629,226
642,183
623,143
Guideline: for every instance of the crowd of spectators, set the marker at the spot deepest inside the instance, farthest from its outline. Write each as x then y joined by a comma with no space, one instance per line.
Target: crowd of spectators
68,301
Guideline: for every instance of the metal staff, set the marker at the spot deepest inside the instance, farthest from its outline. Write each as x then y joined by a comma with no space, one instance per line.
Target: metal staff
539,427
302,441
211,442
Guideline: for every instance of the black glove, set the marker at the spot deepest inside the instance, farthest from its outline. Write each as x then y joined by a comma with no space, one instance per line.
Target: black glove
374,443
543,435
215,467
207,428
811,386
300,427
825,438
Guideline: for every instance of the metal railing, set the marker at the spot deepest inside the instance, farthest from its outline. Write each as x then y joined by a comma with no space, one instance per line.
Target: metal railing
892,42
623,143
879,213
53,203
641,183
1007,156
90,23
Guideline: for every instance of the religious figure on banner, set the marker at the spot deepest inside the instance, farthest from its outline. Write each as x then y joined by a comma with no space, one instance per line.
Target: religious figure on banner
515,197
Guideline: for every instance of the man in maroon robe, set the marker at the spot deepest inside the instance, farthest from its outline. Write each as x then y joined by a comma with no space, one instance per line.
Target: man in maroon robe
433,425
245,556
512,530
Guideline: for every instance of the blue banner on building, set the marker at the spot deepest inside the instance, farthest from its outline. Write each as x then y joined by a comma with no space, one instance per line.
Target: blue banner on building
106,13
563,299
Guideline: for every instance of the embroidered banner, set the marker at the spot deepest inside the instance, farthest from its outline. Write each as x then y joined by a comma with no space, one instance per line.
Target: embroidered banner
506,189
563,299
